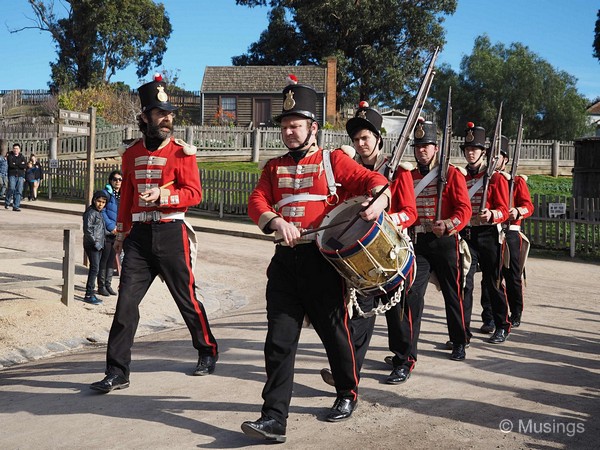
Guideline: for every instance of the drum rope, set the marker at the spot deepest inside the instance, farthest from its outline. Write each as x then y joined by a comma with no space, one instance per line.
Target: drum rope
381,309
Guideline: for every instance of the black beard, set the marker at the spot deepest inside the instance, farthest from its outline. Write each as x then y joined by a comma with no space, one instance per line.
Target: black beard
155,132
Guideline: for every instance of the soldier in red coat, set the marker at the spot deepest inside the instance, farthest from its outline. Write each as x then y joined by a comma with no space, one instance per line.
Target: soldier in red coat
438,245
160,182
365,131
293,195
521,207
482,233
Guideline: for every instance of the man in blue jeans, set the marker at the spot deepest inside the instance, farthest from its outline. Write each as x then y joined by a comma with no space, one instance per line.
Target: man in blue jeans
16,178
3,176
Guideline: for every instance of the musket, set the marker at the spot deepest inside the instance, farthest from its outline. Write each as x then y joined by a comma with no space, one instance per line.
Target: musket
492,159
444,156
411,120
515,164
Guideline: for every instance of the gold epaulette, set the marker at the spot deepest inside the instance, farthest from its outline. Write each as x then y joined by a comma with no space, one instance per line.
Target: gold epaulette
188,149
406,166
505,174
461,169
348,150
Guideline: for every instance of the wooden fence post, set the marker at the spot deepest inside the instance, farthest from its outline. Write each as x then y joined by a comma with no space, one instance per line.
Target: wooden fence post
573,237
68,270
555,158
255,145
189,135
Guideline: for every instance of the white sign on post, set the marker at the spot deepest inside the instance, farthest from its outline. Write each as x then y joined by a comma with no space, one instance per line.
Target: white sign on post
557,209
53,163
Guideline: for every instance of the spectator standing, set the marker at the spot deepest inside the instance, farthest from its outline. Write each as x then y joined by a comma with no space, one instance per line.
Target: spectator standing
93,242
3,176
33,176
109,213
16,178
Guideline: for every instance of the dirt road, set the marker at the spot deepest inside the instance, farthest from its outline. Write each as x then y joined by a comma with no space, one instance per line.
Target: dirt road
539,390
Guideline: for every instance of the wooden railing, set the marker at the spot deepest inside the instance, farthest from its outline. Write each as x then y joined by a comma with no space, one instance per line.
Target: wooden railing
226,194
241,144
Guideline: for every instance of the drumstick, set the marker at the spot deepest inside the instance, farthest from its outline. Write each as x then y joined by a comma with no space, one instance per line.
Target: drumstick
315,230
162,187
334,243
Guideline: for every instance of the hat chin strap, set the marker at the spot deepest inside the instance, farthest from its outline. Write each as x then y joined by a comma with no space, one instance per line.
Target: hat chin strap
301,146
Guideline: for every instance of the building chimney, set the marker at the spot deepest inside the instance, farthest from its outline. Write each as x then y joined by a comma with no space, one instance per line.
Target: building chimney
331,90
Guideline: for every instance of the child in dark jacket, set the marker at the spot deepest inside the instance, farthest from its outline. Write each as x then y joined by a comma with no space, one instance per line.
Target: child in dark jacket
93,242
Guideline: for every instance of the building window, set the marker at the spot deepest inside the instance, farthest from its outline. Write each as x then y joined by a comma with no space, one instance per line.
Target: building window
227,111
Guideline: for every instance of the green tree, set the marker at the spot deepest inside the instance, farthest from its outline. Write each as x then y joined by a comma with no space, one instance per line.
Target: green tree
525,83
99,37
381,45
597,38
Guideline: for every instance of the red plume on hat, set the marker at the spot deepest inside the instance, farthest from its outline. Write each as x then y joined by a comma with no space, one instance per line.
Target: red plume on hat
470,124
158,77
363,104
292,79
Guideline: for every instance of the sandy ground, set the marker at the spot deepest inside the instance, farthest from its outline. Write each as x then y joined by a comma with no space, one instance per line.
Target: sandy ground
543,384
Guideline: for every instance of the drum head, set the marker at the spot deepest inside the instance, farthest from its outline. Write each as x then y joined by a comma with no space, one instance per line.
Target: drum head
346,211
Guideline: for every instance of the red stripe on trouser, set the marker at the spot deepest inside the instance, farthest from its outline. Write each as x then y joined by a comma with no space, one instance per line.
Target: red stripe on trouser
459,290
192,291
349,338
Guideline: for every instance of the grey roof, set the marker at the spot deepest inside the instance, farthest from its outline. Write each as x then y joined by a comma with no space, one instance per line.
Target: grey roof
260,79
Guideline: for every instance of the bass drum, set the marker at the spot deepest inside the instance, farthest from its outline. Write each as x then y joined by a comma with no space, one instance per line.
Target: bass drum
373,257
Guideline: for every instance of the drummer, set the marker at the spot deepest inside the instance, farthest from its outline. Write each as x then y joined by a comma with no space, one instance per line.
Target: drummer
294,194
365,131
438,246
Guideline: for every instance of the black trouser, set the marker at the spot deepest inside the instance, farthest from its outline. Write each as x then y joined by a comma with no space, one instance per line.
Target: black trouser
403,324
442,256
105,272
512,278
93,255
485,252
301,281
150,250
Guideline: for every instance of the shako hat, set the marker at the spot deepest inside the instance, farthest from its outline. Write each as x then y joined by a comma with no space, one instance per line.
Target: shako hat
474,137
298,100
503,145
365,118
153,95
425,133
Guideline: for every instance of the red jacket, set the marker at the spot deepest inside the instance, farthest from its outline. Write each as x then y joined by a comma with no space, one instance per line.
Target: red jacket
521,199
456,206
144,169
282,177
497,200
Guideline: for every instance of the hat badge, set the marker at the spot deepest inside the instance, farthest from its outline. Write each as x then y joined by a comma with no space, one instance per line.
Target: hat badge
419,132
162,95
469,137
289,101
362,114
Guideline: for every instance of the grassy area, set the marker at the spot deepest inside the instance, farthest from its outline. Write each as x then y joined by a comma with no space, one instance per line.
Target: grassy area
249,167
547,185
538,184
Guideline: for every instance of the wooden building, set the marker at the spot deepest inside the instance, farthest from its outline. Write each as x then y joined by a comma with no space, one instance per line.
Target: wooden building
250,96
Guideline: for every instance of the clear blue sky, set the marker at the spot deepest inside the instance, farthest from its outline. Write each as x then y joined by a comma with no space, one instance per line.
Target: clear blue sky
210,32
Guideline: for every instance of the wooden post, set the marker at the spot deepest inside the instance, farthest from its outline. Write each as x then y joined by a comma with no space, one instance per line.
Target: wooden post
91,157
555,157
573,240
255,145
189,135
68,270
91,161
